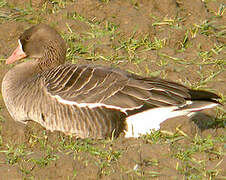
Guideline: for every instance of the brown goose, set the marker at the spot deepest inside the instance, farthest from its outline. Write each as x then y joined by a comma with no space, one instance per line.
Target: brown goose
89,101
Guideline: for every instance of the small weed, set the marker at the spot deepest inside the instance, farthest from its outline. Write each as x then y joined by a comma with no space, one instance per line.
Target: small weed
172,22
77,49
105,1
38,140
57,5
15,153
208,57
205,28
184,44
27,14
133,47
97,30
157,44
88,146
165,60
44,161
192,168
76,16
209,28
132,44
103,157
221,10
2,119
204,80
153,137
202,144
162,137
3,3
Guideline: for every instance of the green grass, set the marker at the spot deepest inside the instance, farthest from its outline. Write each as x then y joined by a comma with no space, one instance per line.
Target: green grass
14,153
193,168
103,156
188,165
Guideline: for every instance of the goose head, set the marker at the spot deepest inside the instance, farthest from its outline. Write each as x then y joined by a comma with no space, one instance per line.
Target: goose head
41,43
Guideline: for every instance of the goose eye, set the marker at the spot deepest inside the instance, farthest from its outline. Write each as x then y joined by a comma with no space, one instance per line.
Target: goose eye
27,38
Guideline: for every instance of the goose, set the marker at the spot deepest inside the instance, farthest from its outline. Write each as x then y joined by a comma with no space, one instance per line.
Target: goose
89,101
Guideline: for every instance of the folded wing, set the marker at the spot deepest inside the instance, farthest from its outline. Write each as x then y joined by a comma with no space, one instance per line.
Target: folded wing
100,86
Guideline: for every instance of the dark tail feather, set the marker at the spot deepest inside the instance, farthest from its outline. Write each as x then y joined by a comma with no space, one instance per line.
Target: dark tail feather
201,95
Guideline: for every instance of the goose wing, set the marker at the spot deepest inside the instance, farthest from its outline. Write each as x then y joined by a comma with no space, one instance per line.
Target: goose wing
100,86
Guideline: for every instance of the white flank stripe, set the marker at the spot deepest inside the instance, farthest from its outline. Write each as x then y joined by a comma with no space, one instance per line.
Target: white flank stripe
93,105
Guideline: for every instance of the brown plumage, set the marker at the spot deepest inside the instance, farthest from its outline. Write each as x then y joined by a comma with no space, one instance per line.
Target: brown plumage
86,101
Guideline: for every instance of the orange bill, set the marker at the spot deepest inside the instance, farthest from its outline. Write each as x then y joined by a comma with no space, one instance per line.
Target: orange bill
17,54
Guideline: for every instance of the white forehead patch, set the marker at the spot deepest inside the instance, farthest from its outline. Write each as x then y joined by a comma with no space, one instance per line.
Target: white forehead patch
20,45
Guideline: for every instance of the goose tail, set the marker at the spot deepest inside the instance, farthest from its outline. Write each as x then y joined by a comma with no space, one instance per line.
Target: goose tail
143,122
